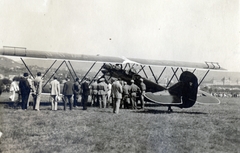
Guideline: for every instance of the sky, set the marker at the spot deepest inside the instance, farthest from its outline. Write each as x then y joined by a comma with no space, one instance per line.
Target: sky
186,30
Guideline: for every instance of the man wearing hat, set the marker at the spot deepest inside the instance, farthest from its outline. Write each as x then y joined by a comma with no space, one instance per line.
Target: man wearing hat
94,92
142,92
85,92
38,90
126,96
68,92
134,89
116,95
55,92
76,92
102,93
108,98
24,87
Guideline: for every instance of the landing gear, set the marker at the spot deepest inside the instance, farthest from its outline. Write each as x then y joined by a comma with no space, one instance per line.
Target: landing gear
170,109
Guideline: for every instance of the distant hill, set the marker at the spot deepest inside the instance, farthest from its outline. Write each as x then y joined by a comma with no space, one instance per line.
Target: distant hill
9,63
12,67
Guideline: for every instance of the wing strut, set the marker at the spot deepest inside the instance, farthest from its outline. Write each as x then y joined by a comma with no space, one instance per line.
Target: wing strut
162,72
203,77
175,74
181,69
157,79
97,73
126,66
88,71
27,67
73,69
194,71
142,69
49,68
172,76
69,70
153,74
132,67
54,73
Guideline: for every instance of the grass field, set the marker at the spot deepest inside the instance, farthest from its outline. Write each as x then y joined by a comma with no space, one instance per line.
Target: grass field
202,128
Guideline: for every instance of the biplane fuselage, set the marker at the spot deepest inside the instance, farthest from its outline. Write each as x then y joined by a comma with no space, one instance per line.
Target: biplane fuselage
128,75
183,94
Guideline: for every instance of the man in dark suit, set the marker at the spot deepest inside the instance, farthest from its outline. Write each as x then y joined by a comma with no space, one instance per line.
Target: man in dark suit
76,92
68,92
24,87
85,93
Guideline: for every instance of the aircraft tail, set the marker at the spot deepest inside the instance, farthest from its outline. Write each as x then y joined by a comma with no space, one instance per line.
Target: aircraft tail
186,89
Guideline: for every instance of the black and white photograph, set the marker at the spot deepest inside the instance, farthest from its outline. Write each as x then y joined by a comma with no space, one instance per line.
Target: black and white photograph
119,76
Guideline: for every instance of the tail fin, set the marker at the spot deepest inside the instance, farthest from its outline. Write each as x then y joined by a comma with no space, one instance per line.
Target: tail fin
186,89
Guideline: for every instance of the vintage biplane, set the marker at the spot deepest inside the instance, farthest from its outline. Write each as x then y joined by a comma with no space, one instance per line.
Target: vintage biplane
183,94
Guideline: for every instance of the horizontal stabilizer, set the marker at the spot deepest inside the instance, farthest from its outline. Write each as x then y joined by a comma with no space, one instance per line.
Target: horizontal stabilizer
163,99
206,98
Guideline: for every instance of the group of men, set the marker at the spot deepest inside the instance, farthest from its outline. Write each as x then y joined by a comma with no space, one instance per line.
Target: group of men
76,90
70,89
33,87
119,91
131,94
102,92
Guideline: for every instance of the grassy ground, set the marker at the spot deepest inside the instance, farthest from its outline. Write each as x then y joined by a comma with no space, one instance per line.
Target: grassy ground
202,128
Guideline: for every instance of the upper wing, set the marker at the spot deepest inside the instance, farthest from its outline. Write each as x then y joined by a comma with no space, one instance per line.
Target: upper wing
99,58
58,55
206,65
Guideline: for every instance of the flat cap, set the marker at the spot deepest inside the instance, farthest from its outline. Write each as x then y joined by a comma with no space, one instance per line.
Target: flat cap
25,74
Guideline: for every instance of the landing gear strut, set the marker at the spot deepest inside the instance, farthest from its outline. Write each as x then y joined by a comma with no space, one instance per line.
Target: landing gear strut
170,109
